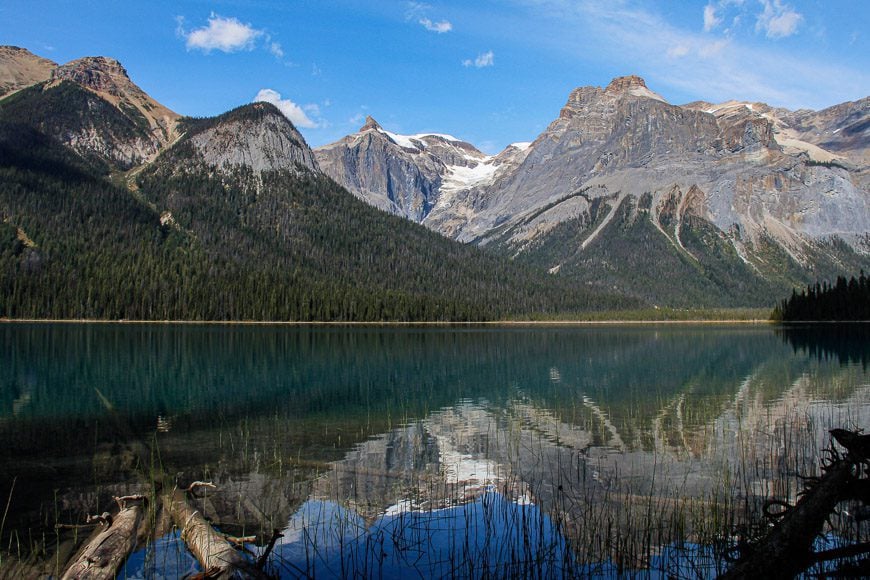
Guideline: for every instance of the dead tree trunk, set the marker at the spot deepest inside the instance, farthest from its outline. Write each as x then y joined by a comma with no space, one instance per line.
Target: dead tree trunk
787,549
104,555
214,553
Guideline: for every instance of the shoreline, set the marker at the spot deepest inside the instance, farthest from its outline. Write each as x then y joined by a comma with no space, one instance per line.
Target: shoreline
493,323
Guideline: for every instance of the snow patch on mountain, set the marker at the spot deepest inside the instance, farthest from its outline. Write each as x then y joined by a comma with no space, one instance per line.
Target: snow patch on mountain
458,177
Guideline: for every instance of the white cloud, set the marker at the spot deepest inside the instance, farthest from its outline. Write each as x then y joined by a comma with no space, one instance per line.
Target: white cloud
777,20
439,27
297,115
711,21
224,34
483,60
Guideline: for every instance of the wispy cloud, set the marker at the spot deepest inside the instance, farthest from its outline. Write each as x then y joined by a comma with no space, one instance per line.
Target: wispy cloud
418,11
483,60
702,65
298,115
711,21
777,20
678,51
224,34
276,49
439,27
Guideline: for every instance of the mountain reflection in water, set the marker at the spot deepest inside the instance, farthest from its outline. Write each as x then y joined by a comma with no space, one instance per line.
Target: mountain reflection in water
379,451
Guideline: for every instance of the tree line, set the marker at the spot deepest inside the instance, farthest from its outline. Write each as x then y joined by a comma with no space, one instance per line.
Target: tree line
843,300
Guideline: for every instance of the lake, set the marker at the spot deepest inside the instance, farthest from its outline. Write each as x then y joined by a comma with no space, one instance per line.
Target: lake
382,451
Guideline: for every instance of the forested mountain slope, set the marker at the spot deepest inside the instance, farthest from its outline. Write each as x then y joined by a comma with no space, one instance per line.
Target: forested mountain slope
231,221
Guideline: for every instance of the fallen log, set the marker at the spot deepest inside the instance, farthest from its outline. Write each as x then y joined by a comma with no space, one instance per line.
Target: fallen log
787,549
215,554
104,555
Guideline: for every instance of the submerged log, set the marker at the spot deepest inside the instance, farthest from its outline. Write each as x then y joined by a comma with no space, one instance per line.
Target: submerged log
215,554
104,555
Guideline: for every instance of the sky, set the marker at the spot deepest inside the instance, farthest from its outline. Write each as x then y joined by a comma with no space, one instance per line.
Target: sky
490,72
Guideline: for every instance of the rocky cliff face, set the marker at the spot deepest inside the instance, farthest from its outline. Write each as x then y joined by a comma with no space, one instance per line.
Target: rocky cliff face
255,136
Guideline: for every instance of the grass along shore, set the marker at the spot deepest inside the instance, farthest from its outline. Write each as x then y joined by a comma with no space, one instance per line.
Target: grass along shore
645,316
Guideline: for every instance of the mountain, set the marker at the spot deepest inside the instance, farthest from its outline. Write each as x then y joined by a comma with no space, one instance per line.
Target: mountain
21,68
91,106
275,212
678,205
402,174
106,212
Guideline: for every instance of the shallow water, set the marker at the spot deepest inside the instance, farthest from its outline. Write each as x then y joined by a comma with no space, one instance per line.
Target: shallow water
379,451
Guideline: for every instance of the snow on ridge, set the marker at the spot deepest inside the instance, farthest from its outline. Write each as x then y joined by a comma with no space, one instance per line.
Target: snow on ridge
521,145
401,140
416,141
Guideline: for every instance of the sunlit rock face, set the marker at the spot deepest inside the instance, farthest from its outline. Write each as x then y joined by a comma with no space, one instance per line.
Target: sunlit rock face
257,137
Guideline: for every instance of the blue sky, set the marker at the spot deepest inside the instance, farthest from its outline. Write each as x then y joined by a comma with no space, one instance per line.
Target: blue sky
488,71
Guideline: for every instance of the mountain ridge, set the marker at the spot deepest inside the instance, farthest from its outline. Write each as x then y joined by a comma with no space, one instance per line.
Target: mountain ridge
231,220
745,200
776,190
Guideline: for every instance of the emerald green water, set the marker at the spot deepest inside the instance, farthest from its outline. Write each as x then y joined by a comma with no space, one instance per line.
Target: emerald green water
366,417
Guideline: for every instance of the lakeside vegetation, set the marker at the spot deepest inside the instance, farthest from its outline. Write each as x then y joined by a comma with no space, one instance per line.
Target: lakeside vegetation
841,301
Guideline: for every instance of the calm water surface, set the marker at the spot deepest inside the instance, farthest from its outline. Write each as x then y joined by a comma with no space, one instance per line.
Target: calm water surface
435,451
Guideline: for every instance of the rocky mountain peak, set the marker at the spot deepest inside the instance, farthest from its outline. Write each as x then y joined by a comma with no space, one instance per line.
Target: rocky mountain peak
626,83
98,73
631,85
257,136
370,125
108,79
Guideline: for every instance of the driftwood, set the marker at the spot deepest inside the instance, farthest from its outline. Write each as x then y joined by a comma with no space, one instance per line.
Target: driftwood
104,555
787,550
214,553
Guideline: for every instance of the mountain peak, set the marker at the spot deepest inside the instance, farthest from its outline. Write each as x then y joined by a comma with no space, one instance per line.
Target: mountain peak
626,83
98,73
108,79
370,124
632,85
21,68
255,135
